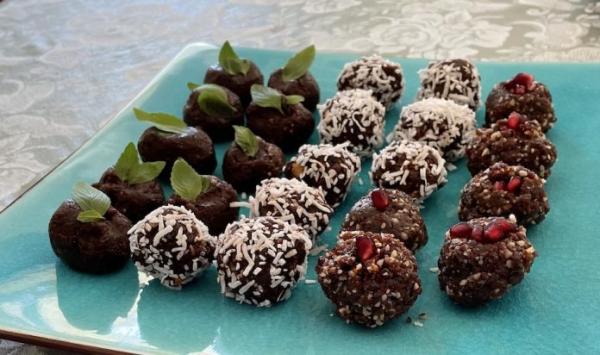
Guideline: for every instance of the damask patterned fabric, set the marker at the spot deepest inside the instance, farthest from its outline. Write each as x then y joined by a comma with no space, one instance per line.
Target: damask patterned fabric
66,67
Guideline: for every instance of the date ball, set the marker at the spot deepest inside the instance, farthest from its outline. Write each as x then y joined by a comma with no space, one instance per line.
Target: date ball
219,127
504,190
331,168
391,212
133,200
514,141
353,116
213,206
451,79
370,277
305,86
244,172
193,145
441,124
94,247
482,259
411,167
293,201
239,84
524,95
288,129
383,77
260,260
172,245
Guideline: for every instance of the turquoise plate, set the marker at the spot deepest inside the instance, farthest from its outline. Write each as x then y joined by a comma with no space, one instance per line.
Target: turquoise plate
555,309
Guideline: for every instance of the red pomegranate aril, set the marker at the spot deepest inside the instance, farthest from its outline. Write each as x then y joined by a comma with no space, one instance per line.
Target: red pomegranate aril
493,232
380,199
365,248
477,233
461,230
514,120
505,225
521,83
500,185
514,184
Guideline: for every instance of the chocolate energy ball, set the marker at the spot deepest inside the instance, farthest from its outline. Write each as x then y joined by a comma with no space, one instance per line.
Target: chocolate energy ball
441,124
133,200
95,247
370,277
482,259
331,168
504,190
213,207
288,130
218,127
353,116
452,79
260,260
412,167
294,202
244,172
391,212
305,86
194,145
238,83
524,95
383,77
514,141
172,245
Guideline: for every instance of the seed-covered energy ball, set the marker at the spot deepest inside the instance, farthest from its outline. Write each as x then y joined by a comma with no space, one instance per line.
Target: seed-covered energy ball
524,95
353,116
260,260
370,277
412,167
482,259
514,141
172,245
293,201
331,168
452,79
383,77
391,212
504,190
441,124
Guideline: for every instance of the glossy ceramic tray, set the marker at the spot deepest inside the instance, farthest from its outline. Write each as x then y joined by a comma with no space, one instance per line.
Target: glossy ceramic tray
555,309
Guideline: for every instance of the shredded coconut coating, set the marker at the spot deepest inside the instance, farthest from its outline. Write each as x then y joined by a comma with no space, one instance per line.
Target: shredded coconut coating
171,244
293,201
412,167
441,124
453,79
383,77
353,116
260,260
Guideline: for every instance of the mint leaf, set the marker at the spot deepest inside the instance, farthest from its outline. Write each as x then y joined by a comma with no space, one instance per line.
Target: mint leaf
130,169
231,62
213,100
89,216
192,86
246,140
266,97
89,198
298,65
293,99
144,172
186,182
127,161
163,121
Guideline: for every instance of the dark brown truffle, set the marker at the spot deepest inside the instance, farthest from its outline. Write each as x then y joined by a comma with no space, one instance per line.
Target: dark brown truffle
244,172
305,86
134,201
219,128
395,213
239,83
482,259
213,206
370,277
193,145
502,190
95,247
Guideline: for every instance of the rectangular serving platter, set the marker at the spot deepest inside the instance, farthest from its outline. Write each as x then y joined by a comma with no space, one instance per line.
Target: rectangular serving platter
554,310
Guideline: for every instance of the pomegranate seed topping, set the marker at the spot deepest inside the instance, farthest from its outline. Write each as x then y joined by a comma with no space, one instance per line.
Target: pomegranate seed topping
500,185
493,232
521,83
477,233
505,225
380,199
514,120
365,248
461,230
514,184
